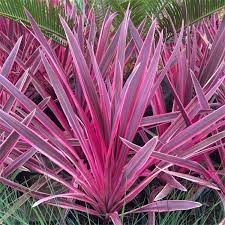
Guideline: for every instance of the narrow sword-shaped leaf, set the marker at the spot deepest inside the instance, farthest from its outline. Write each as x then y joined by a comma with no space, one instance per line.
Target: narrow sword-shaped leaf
88,88
115,218
65,195
104,35
174,160
8,64
19,84
157,119
199,92
164,192
18,162
194,130
7,146
120,59
192,179
139,160
71,116
167,206
37,142
42,117
38,195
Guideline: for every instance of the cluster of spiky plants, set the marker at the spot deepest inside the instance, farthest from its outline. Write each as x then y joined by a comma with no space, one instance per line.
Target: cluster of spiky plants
112,111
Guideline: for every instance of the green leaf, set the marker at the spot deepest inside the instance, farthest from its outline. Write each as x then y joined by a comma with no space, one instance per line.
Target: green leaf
167,11
45,14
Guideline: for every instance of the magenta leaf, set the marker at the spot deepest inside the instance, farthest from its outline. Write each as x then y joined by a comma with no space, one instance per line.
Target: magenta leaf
167,206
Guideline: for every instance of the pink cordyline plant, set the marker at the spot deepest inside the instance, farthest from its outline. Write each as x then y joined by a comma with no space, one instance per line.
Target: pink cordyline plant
100,88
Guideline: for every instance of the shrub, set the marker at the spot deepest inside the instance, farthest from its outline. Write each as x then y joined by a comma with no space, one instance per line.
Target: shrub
105,91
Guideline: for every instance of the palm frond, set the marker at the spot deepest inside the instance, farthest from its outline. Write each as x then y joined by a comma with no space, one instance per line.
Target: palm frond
167,11
190,11
46,15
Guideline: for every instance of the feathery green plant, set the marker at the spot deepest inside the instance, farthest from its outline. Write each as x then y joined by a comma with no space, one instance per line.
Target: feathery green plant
46,15
167,11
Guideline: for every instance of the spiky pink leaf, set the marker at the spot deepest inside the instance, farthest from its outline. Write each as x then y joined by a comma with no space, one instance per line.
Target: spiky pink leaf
192,178
164,192
174,160
115,218
199,92
20,161
157,119
71,116
36,194
37,142
138,162
65,195
104,35
120,59
194,130
19,84
167,206
171,181
7,146
7,66
83,74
